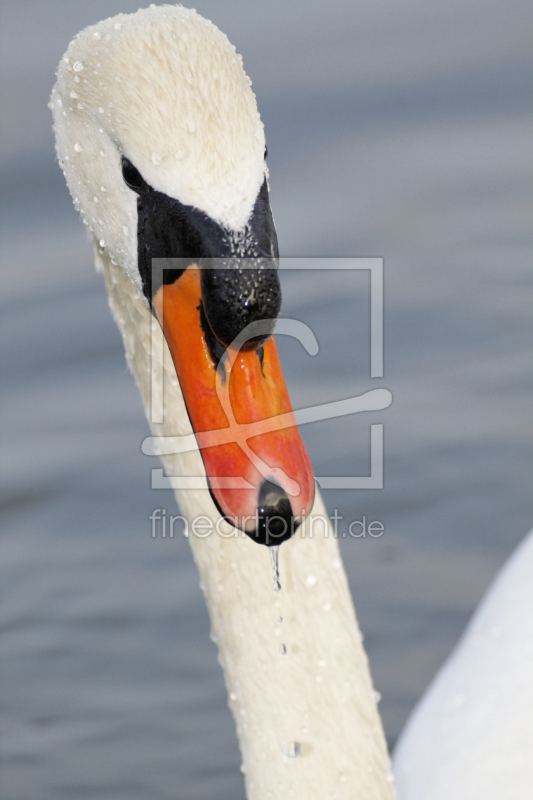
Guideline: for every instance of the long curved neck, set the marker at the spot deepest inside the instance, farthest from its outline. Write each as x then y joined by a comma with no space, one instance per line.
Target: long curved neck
300,688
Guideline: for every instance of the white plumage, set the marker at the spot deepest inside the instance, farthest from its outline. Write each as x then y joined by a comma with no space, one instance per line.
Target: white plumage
166,89
471,736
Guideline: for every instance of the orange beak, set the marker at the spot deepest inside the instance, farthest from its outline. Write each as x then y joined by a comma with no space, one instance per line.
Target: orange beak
242,418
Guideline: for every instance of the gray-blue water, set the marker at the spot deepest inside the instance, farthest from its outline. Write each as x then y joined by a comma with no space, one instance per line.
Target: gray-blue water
394,129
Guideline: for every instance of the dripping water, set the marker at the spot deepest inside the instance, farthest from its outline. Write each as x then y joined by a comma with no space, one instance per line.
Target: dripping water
274,558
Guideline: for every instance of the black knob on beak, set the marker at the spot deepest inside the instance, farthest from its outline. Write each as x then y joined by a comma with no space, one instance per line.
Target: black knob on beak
240,292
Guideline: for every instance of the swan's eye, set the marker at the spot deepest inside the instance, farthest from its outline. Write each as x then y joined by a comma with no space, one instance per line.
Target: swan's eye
266,153
132,176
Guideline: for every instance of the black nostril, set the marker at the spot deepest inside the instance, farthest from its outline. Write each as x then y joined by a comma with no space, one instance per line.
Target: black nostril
275,521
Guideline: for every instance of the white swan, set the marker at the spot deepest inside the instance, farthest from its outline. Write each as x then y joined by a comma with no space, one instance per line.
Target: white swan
471,735
162,147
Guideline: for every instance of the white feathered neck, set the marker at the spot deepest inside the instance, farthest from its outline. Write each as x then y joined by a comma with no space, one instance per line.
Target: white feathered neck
307,721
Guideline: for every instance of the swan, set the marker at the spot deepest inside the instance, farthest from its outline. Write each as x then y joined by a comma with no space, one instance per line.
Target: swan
162,148
471,734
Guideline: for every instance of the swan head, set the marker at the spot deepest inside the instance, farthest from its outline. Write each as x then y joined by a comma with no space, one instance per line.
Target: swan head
163,150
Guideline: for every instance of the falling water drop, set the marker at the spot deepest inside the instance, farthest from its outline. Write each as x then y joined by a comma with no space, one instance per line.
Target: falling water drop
274,558
282,650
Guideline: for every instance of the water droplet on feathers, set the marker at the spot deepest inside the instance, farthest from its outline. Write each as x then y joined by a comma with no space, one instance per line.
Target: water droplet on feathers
292,751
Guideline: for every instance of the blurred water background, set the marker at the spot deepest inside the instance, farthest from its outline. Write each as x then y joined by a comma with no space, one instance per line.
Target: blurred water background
400,130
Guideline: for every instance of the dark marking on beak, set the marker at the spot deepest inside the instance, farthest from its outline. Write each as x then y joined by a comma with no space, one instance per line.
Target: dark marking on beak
276,523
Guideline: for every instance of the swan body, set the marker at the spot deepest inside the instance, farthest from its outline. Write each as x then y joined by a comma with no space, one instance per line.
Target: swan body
471,735
164,90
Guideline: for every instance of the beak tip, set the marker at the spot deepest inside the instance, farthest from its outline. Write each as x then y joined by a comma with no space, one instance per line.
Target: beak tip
275,520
